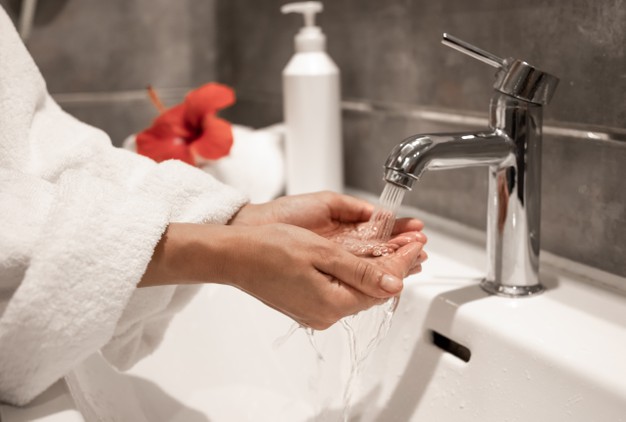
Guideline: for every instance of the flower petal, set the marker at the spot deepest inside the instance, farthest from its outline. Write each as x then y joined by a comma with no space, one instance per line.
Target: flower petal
171,123
216,139
166,138
161,148
207,99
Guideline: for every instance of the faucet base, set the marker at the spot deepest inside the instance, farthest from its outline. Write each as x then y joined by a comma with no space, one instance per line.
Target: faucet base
511,291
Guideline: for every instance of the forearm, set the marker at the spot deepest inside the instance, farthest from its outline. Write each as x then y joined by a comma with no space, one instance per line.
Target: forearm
188,254
302,274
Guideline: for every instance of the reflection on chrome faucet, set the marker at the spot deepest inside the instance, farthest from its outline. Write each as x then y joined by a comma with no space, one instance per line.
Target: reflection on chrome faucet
511,149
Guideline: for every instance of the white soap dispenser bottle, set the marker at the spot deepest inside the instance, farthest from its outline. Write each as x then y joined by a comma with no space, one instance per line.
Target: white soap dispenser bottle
312,110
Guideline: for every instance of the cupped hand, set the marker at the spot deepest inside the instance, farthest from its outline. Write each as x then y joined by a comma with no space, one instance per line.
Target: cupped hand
314,280
291,253
328,214
300,273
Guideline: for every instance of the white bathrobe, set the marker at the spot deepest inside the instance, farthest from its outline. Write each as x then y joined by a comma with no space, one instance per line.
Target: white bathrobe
79,220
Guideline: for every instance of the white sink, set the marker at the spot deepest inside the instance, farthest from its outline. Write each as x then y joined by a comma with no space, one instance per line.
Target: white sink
559,355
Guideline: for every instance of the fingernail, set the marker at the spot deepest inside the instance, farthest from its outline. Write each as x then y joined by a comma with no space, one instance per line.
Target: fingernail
391,284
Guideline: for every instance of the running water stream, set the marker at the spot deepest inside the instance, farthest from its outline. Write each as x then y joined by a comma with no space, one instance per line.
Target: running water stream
370,239
366,329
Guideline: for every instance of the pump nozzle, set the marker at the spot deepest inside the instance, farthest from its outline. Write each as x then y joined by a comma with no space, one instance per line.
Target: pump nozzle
307,8
310,37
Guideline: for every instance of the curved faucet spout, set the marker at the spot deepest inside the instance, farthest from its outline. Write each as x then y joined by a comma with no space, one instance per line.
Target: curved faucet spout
418,153
511,148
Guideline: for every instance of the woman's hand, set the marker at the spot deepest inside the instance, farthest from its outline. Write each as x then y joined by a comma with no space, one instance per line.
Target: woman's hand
328,214
302,274
291,254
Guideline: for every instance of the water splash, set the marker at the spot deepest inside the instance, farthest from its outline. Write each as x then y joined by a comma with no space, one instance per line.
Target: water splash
310,332
370,239
383,218
368,328
371,327
283,339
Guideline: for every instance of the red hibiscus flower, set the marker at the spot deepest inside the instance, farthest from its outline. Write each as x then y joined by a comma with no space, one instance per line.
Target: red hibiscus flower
190,130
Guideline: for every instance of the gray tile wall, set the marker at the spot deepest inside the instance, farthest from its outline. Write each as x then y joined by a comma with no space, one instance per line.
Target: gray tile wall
96,47
98,56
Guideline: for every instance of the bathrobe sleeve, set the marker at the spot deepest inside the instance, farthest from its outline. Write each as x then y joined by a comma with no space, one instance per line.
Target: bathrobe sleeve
79,220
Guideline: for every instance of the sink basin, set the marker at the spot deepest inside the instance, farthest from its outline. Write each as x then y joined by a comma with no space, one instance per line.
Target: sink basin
468,356
557,355
453,353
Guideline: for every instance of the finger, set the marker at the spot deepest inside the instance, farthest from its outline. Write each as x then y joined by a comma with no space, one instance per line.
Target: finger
416,269
408,237
360,273
405,258
349,209
338,301
376,277
349,301
423,256
407,225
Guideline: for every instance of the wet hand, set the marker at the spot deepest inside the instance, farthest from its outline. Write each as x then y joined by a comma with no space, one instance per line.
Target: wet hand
328,214
313,280
300,273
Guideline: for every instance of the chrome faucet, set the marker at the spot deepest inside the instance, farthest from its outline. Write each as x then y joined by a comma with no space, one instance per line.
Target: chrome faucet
511,148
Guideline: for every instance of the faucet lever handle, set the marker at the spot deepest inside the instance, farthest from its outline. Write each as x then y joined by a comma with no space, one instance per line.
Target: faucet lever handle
473,51
514,77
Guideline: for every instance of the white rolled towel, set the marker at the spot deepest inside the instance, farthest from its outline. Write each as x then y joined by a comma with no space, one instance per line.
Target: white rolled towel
255,165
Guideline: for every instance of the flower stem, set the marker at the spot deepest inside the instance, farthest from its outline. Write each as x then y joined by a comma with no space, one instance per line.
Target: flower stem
155,99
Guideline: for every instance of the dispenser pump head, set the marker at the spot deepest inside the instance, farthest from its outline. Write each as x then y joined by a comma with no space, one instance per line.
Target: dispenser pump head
310,37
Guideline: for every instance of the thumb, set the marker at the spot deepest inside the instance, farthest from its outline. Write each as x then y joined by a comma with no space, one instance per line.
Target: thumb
404,259
380,278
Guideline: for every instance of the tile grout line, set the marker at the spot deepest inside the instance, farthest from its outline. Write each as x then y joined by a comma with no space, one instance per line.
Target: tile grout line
358,106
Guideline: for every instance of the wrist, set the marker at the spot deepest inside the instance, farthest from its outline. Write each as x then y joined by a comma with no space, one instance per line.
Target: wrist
191,253
243,217
256,214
